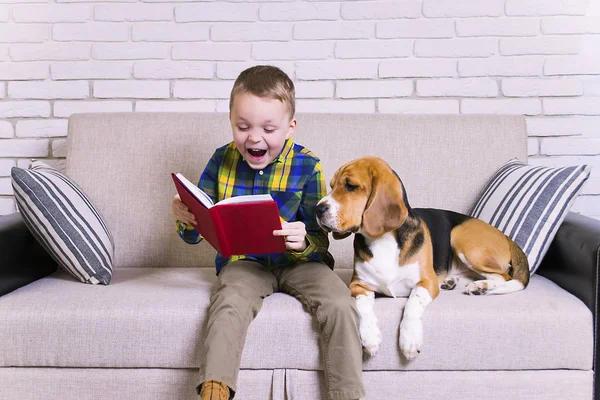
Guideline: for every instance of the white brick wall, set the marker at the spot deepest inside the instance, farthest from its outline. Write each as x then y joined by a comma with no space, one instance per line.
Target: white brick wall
537,58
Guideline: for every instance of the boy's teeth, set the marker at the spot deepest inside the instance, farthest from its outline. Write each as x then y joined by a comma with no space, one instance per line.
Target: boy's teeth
257,152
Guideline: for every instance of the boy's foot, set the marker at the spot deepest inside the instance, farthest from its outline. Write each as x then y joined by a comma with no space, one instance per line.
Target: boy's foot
214,390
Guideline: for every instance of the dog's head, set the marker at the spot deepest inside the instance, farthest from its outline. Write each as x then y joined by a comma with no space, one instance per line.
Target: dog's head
366,196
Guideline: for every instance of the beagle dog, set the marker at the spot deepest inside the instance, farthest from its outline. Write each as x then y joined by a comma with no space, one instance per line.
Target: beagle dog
401,251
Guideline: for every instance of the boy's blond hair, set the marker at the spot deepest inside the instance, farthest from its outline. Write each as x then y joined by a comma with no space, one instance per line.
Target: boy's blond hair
266,81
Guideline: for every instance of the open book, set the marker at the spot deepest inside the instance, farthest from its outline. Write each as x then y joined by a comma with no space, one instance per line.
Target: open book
237,225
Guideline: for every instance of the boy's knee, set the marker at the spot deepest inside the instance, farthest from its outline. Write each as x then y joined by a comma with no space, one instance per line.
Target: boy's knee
340,305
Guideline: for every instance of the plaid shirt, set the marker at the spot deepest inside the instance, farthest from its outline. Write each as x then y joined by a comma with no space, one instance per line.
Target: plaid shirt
294,179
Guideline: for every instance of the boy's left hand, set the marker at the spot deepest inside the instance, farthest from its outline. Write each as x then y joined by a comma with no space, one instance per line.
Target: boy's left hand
294,234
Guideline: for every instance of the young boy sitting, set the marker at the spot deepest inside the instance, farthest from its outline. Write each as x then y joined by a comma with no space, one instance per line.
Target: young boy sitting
263,159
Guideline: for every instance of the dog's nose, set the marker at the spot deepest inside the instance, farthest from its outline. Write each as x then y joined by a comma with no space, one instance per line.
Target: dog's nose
322,209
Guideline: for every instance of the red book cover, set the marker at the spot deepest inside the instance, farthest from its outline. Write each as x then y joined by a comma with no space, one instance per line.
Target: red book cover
240,225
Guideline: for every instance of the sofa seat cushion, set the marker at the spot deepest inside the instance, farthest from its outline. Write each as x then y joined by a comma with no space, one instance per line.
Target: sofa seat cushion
154,317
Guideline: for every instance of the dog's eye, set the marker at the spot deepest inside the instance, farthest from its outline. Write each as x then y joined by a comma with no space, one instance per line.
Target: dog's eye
350,187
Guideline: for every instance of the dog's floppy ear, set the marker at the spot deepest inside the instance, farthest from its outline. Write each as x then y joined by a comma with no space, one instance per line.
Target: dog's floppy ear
340,235
385,210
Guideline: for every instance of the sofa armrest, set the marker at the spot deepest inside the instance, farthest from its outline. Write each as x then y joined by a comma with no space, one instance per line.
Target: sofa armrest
22,259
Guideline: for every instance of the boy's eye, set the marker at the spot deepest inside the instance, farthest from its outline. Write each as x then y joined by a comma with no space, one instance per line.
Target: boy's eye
269,130
243,128
350,187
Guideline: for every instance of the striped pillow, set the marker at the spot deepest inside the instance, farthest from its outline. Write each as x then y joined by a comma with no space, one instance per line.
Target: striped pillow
65,222
529,203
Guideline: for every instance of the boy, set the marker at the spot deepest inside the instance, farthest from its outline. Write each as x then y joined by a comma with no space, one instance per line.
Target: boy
263,159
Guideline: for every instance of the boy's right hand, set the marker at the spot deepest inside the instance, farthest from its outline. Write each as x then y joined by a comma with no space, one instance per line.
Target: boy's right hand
182,213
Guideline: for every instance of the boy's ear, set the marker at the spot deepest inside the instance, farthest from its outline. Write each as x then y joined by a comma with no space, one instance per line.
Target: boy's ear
292,129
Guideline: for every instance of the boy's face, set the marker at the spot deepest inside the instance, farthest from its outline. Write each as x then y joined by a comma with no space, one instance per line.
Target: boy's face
260,128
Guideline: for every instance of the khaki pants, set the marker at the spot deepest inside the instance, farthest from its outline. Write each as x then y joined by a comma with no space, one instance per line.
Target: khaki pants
237,297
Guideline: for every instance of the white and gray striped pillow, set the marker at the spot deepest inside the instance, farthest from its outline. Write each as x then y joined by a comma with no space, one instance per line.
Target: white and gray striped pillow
529,203
65,222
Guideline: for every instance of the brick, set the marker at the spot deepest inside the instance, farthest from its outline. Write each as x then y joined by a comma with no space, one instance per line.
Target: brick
381,10
498,27
49,90
540,45
501,106
314,89
5,187
50,52
317,50
455,47
6,130
223,106
572,66
563,161
577,106
5,166
41,128
336,69
231,70
59,148
334,30
421,28
470,87
7,205
335,106
463,8
91,32
2,90
173,70
211,51
532,146
4,13
587,205
24,148
504,66
16,109
570,146
52,13
401,106
417,68
169,32
202,89
546,7
131,51
24,33
3,53
132,89
373,88
250,32
299,12
95,1
592,186
91,70
24,71
175,106
570,25
533,87
373,48
591,86
219,11
64,109
133,12
563,126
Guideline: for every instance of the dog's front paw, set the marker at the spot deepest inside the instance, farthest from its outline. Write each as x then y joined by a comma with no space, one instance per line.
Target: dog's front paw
411,338
370,335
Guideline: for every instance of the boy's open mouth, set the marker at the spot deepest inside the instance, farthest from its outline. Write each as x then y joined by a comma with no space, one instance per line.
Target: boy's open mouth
257,152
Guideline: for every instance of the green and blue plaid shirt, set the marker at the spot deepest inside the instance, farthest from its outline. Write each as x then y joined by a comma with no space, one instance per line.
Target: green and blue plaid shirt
294,179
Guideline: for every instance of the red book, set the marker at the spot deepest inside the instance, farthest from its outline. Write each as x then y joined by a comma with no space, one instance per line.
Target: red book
237,225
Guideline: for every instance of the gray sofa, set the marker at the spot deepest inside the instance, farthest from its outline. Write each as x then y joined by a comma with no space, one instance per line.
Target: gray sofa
138,338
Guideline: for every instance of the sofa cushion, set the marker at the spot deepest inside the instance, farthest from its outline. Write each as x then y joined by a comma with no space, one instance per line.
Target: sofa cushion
154,318
528,204
64,221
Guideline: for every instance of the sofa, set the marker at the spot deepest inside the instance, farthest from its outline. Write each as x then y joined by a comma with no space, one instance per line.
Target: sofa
139,336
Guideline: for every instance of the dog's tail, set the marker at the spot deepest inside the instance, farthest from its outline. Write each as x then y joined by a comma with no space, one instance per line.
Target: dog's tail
518,271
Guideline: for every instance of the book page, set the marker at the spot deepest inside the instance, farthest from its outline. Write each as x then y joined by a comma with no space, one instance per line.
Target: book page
249,198
196,191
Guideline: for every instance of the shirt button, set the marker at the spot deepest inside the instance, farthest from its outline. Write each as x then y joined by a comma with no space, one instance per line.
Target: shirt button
260,172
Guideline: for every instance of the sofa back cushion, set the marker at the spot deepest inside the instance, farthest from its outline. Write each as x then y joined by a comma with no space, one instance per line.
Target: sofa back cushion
123,163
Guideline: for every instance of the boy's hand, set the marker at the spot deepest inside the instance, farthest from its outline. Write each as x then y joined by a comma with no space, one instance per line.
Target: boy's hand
182,213
294,234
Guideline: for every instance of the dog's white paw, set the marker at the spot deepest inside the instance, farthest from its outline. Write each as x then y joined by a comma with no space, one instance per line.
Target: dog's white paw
411,338
370,335
482,287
